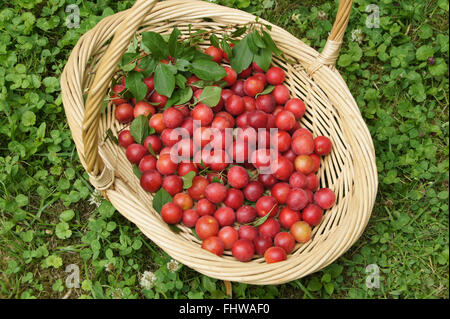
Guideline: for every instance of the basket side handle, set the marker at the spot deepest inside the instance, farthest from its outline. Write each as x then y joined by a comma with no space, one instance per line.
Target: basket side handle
100,175
330,52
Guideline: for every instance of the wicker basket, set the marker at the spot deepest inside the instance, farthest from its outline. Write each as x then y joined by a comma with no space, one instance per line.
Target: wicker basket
349,170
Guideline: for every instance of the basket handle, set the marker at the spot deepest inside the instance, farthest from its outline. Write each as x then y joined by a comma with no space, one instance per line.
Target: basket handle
102,176
330,52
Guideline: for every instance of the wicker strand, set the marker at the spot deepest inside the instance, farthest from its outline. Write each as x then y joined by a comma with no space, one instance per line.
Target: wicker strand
341,21
104,180
330,52
328,56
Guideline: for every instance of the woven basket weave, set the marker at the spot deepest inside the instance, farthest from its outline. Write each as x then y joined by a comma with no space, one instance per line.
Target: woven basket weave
350,169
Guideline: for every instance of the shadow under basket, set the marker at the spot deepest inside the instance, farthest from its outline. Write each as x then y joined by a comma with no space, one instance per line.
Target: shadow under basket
350,169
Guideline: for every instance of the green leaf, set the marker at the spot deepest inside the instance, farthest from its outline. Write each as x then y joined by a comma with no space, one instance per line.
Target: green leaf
97,291
164,80
148,65
424,52
186,52
443,4
417,91
251,43
187,179
242,56
179,97
314,284
58,286
127,58
425,32
28,118
209,284
267,90
106,209
210,95
238,32
442,40
137,244
391,177
62,230
185,95
270,43
443,195
202,83
329,287
172,68
173,42
242,4
326,277
156,44
226,48
110,227
182,65
214,41
161,198
412,76
180,80
172,100
135,84
268,4
27,236
110,135
137,171
195,295
67,215
440,68
195,234
215,179
175,228
52,261
268,27
345,60
257,39
21,200
355,51
335,270
150,149
261,220
198,55
208,70
139,128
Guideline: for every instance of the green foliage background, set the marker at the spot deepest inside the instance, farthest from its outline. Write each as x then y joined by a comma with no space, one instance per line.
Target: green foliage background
48,219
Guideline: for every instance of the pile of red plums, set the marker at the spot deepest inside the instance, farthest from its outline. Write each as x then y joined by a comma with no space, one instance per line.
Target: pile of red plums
254,189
